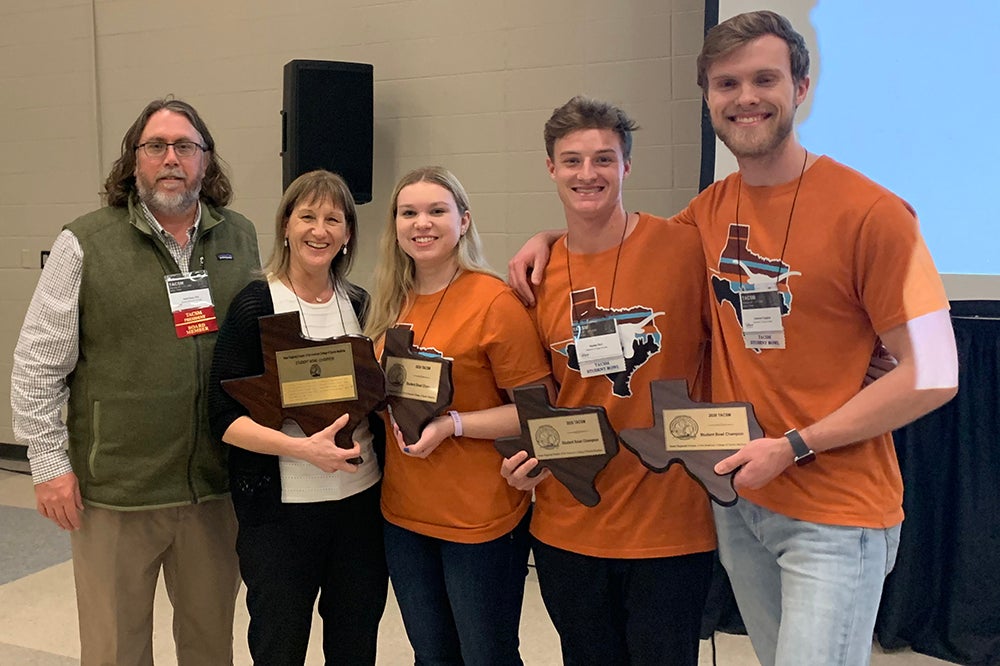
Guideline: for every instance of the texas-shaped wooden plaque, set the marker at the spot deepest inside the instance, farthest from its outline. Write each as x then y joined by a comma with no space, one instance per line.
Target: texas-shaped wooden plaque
262,394
577,473
649,444
412,414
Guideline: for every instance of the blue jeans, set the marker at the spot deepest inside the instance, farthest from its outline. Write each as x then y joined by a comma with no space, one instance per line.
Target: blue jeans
460,602
808,592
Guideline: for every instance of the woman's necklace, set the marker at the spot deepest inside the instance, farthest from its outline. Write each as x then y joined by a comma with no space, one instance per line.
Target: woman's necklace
319,299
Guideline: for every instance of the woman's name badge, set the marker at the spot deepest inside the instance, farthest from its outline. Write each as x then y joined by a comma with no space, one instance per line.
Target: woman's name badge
191,303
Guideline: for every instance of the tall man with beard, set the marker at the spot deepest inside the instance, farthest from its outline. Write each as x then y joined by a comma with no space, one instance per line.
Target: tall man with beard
809,264
121,331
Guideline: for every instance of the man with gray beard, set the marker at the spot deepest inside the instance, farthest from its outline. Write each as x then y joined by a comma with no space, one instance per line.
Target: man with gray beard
121,330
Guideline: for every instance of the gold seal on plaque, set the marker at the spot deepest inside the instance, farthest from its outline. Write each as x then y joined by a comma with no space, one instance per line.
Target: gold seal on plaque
547,437
683,427
396,376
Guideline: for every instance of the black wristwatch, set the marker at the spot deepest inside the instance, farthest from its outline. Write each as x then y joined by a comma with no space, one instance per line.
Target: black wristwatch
803,454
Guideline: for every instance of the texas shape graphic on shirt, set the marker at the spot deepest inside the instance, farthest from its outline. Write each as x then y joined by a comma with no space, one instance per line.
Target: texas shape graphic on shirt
639,334
739,266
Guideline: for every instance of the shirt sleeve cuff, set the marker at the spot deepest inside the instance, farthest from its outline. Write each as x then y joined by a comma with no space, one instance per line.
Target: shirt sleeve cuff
49,465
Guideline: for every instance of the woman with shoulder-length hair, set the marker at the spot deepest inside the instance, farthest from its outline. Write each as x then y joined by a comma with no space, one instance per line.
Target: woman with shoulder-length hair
456,533
309,519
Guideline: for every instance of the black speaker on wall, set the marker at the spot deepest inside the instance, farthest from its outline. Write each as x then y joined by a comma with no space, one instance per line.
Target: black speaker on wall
327,122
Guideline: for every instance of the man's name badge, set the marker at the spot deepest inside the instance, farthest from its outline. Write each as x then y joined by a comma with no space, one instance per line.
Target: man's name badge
574,443
695,434
771,340
191,303
418,386
760,312
596,339
598,347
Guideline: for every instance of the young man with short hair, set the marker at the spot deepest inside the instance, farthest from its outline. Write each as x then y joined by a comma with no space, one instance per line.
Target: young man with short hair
624,581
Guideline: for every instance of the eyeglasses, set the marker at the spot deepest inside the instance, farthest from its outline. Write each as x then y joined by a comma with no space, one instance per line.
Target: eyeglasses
159,148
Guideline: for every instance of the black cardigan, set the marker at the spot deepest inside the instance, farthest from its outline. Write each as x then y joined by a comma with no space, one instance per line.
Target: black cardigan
254,479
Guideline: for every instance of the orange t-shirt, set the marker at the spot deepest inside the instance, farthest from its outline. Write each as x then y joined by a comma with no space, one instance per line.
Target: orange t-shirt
660,286
856,266
457,493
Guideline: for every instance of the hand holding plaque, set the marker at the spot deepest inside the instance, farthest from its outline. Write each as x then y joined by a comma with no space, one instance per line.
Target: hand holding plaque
575,444
312,382
418,386
696,435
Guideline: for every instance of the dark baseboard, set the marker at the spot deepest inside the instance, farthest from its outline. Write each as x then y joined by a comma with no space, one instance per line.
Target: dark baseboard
14,458
14,452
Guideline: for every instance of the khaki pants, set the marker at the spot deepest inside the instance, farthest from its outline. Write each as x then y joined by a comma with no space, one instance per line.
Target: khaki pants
117,557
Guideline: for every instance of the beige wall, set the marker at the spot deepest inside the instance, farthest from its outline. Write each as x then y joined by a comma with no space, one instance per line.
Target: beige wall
462,83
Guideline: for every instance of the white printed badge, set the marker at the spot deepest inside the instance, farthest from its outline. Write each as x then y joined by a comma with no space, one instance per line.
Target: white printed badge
191,303
598,346
760,313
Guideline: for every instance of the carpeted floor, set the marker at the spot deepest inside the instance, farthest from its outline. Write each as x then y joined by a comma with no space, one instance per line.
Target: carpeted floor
28,544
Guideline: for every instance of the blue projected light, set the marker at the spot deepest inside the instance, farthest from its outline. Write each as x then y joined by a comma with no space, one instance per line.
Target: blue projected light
907,92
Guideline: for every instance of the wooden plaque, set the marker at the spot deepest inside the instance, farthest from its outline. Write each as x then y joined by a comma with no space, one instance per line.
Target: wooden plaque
427,398
578,470
302,389
649,444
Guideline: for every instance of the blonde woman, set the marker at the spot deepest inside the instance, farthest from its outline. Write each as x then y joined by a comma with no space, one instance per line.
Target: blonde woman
456,534
309,520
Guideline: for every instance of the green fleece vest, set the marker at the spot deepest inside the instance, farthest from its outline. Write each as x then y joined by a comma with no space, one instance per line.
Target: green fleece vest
138,421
